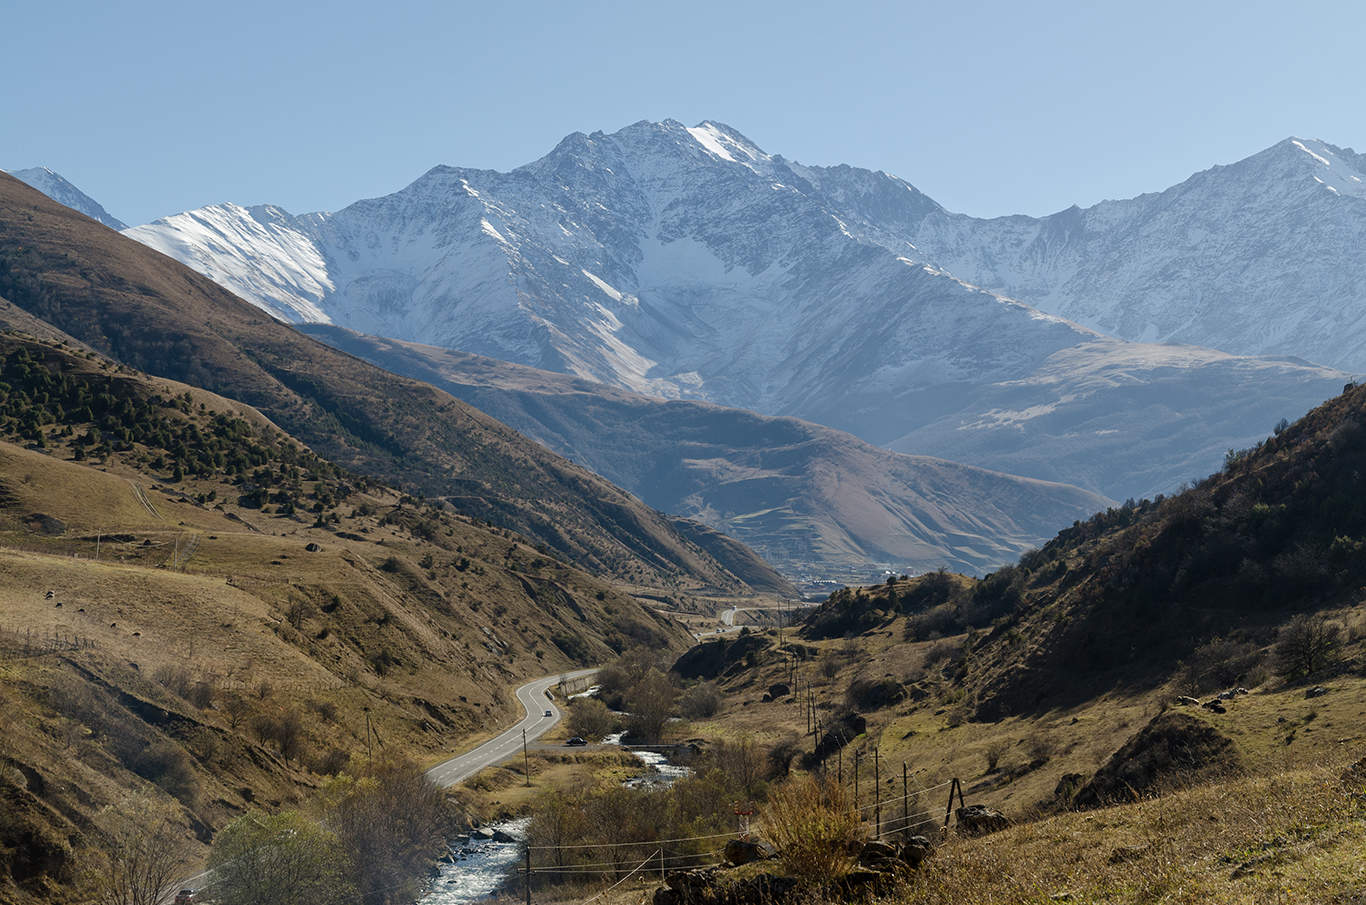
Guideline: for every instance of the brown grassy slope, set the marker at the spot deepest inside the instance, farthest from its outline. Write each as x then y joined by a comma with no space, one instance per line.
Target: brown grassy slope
416,619
156,315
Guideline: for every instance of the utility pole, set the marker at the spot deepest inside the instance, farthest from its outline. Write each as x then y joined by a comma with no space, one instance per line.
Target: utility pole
528,873
98,536
905,802
877,791
369,754
526,760
857,755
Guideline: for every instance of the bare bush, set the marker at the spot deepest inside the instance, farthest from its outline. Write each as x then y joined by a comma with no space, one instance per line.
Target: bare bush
1307,646
143,855
234,708
700,701
175,679
743,764
167,765
392,821
650,702
202,693
994,752
1220,663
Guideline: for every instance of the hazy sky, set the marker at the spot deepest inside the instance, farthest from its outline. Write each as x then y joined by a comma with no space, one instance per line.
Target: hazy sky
990,108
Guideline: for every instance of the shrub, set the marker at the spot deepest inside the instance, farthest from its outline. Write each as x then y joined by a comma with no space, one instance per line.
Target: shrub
1219,663
700,701
1307,646
993,752
175,679
279,859
813,823
590,718
874,694
780,757
167,765
202,694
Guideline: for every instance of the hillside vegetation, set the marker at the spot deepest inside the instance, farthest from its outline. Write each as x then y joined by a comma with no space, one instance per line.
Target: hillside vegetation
154,314
1165,702
198,614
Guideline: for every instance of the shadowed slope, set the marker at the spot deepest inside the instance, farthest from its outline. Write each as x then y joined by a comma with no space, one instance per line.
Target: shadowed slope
157,315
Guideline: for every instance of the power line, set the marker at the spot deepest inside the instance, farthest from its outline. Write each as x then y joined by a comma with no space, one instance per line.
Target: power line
542,848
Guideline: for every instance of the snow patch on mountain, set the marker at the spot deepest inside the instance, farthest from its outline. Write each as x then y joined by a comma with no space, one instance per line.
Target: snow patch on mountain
259,253
687,263
60,190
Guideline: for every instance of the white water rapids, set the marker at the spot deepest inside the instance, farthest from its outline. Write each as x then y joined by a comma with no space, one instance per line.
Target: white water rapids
476,869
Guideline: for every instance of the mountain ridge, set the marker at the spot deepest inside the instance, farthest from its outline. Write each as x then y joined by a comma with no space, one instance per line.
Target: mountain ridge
806,497
687,263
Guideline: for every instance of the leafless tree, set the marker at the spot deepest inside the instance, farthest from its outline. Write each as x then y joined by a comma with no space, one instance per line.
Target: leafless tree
144,856
1308,645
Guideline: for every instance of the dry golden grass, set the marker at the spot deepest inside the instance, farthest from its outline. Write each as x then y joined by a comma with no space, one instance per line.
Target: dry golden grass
812,822
1286,838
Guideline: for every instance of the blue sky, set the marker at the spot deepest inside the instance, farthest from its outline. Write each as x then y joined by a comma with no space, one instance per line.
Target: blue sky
991,108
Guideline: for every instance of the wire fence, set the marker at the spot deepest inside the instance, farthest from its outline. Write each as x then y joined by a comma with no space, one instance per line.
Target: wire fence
29,643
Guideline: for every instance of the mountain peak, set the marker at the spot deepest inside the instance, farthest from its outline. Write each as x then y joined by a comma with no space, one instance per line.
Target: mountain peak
56,187
726,143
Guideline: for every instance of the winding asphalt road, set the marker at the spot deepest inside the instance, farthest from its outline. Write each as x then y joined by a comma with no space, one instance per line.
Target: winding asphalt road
532,697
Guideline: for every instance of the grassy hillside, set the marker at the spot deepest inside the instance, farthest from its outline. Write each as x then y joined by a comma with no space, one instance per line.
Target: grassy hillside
152,313
197,613
1274,818
1167,700
808,498
1117,601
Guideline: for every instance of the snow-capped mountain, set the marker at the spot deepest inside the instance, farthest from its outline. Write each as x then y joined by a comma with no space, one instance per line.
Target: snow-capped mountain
687,262
58,189
1260,257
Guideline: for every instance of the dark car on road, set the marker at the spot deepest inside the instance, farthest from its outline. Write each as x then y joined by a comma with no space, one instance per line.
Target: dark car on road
575,742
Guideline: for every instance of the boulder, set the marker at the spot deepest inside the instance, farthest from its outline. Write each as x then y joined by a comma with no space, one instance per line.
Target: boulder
742,851
312,547
1214,706
500,836
688,883
779,690
978,820
1069,784
1188,701
915,850
878,855
1317,691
